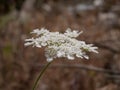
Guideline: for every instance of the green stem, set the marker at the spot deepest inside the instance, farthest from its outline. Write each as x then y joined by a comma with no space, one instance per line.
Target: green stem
41,73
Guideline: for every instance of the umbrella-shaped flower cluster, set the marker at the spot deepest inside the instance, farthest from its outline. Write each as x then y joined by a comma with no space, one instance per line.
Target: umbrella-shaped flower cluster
60,44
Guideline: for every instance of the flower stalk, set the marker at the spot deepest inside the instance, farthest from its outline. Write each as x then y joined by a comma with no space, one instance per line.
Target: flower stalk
40,75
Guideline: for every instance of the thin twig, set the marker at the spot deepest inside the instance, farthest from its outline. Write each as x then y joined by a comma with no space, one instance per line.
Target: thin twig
107,47
81,66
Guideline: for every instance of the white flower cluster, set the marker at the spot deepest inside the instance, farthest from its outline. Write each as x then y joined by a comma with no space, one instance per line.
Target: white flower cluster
60,45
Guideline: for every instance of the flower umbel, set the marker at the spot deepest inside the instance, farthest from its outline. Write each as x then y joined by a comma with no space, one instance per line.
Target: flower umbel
60,44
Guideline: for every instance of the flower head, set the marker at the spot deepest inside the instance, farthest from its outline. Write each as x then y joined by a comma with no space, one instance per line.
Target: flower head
60,45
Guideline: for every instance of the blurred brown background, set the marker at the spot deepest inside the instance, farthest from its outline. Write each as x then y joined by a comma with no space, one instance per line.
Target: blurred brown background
19,65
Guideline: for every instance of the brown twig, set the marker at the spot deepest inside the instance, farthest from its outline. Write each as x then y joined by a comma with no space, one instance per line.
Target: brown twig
84,67
107,47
